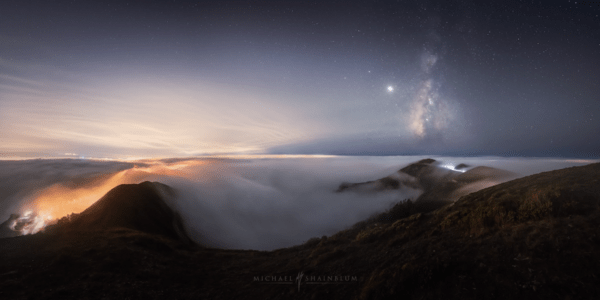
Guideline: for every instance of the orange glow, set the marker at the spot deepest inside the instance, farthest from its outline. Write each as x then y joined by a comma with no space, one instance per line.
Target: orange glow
179,168
59,200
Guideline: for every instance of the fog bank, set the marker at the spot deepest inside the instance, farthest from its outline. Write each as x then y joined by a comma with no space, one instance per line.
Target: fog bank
240,203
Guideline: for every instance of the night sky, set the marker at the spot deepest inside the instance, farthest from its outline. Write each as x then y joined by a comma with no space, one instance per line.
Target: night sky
124,79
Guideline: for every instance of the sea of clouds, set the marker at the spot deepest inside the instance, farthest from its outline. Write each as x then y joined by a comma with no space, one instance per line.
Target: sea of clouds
243,203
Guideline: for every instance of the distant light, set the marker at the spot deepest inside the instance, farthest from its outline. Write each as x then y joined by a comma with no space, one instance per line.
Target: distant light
452,167
390,88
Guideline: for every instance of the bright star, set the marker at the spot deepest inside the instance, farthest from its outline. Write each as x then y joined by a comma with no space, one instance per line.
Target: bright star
390,88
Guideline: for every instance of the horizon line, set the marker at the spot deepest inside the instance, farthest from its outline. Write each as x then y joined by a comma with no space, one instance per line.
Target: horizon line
280,156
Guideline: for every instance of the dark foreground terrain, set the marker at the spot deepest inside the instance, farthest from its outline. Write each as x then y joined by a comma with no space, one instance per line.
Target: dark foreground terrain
535,237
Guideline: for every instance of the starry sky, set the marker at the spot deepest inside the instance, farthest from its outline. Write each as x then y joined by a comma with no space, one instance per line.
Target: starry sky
128,79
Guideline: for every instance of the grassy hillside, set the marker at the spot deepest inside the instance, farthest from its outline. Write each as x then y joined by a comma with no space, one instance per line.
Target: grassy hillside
531,238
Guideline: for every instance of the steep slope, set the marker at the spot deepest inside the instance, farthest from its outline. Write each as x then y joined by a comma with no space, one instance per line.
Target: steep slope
140,207
535,237
531,238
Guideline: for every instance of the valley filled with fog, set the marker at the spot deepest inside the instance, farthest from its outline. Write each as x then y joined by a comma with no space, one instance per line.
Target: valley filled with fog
247,202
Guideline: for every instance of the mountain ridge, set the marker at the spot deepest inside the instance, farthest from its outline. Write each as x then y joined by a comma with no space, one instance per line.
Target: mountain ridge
140,207
533,237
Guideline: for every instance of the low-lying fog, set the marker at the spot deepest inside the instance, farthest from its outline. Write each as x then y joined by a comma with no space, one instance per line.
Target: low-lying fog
241,203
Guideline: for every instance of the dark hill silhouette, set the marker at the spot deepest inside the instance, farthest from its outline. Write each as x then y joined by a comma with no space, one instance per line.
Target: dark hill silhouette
418,168
534,237
440,185
140,207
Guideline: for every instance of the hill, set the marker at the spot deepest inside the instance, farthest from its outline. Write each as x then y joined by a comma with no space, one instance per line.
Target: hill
440,185
141,207
534,237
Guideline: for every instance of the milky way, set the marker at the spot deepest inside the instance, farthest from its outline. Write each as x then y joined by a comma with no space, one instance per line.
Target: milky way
130,79
429,111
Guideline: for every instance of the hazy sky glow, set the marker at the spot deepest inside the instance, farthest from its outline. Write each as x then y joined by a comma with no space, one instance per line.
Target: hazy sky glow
122,79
